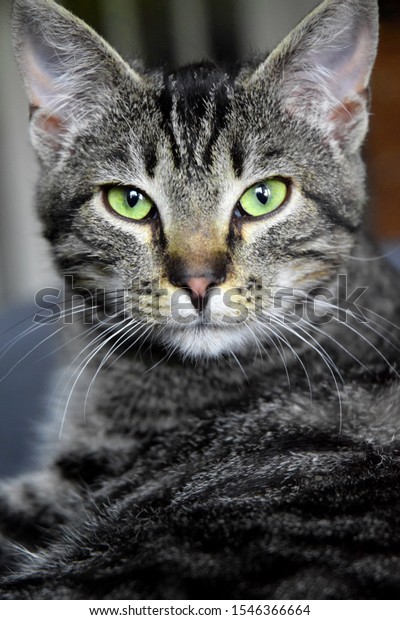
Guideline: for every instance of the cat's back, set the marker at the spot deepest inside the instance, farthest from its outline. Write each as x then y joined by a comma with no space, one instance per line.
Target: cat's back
278,499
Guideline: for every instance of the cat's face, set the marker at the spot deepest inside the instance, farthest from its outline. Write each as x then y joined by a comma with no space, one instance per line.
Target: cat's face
199,195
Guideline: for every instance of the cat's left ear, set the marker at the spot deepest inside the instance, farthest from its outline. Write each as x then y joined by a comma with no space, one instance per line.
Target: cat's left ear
322,69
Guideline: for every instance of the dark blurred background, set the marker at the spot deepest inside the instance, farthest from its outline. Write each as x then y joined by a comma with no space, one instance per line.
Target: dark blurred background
383,146
166,32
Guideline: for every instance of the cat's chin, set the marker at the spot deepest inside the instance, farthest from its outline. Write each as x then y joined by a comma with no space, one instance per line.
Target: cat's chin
202,342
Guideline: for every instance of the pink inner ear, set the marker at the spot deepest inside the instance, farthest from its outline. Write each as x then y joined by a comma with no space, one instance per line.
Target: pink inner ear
44,87
52,125
46,109
347,115
349,108
349,64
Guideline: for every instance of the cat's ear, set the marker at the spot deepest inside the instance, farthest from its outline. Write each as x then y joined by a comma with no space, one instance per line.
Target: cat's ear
322,69
68,70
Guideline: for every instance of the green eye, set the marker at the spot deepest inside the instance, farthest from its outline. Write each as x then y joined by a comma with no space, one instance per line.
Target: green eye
129,202
263,197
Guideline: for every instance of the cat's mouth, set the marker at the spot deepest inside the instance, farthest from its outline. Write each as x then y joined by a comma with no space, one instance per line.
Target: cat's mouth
218,310
221,326
205,340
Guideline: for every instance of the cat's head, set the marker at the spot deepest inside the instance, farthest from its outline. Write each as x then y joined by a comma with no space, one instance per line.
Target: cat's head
200,193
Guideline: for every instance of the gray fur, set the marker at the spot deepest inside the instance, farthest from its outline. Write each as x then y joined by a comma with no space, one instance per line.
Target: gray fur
231,459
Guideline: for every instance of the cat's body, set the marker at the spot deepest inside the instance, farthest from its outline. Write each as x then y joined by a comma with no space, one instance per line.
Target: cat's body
248,454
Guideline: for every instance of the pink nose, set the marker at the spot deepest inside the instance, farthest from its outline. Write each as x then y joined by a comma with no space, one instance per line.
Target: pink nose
198,285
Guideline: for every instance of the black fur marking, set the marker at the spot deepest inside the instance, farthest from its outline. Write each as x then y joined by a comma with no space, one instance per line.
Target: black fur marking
119,154
222,108
90,466
309,254
329,210
82,259
159,237
164,104
59,219
271,154
193,85
237,157
32,110
150,159
200,88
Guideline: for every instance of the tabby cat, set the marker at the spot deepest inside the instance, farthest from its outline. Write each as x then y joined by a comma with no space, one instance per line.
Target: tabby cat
228,417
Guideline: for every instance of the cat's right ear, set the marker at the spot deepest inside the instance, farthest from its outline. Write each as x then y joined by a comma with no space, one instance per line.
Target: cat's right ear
68,70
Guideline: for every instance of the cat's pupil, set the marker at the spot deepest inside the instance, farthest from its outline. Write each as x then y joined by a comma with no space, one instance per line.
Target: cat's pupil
263,194
133,197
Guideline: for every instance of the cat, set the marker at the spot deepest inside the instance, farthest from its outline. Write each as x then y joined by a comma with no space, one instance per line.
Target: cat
229,419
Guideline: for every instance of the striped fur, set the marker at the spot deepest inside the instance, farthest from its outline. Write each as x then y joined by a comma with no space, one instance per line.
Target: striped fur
248,449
